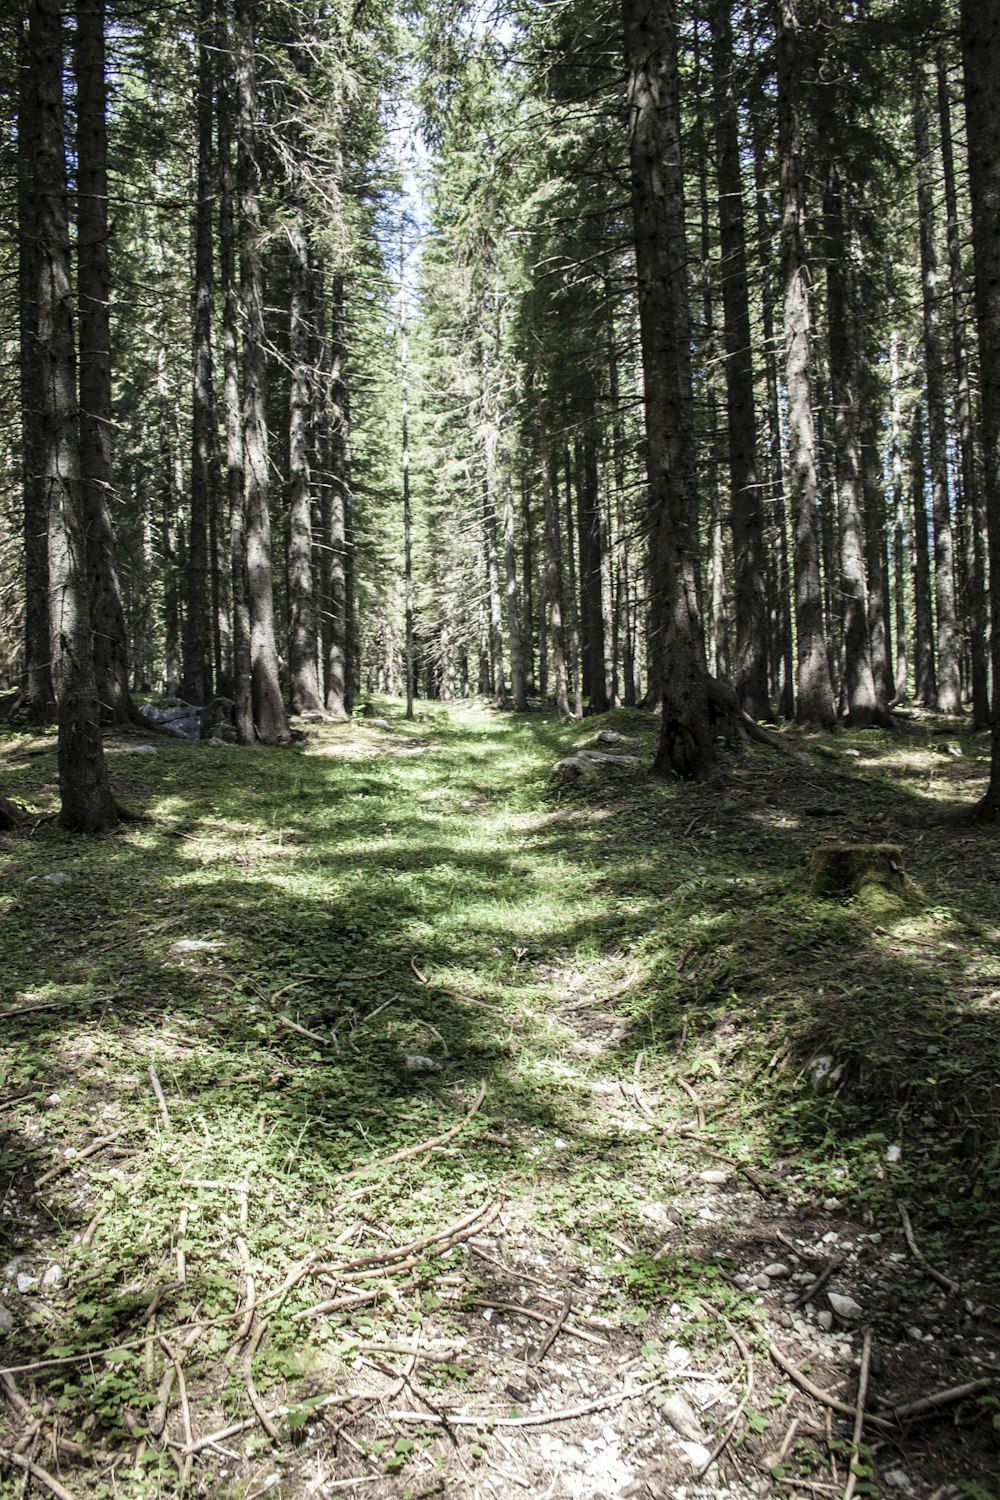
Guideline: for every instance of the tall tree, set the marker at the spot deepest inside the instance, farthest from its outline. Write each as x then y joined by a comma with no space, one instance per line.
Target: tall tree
87,804
815,704
270,723
686,747
981,61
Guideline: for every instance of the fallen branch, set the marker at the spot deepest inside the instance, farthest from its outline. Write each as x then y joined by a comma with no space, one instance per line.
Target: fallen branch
724,1441
941,1398
70,1163
262,1414
161,1102
818,1394
919,1256
16,1400
410,1151
35,1471
542,1419
683,1084
175,1360
859,1418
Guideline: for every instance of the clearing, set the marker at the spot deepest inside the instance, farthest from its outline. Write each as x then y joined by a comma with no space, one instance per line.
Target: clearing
382,1117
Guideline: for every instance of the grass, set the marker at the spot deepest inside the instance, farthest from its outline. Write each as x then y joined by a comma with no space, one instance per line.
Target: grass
441,919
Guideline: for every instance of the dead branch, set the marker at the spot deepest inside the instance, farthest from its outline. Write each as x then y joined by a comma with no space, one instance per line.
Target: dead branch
818,1394
35,1471
68,1165
411,1151
941,1398
537,1317
536,1355
541,1419
160,1100
9,1386
313,1036
457,995
683,1084
723,1442
920,1257
810,1291
859,1418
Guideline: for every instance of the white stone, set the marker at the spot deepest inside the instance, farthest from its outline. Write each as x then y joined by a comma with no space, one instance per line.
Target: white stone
825,1319
53,1276
696,1454
144,750
776,1270
26,1283
893,1153
193,945
416,1063
58,877
900,1480
762,1282
715,1176
6,1319
682,1418
844,1306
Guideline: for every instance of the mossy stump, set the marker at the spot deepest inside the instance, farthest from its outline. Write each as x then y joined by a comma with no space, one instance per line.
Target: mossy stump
841,870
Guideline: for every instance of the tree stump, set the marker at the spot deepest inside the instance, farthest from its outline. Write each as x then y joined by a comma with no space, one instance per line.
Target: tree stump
846,869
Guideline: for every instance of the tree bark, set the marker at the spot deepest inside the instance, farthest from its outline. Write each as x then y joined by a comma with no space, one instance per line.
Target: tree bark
336,506
925,681
749,600
815,705
93,287
37,649
270,723
87,804
196,674
949,684
980,23
303,666
686,745
553,570
972,494
235,498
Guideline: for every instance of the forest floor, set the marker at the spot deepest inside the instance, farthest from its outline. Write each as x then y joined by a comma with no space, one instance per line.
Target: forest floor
384,1117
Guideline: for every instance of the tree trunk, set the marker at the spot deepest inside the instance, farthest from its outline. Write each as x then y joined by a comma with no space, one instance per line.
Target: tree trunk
686,747
302,654
37,649
980,20
815,703
196,675
335,512
553,571
235,499
517,673
87,804
527,590
925,682
859,681
270,722
899,528
93,286
749,600
949,686
972,494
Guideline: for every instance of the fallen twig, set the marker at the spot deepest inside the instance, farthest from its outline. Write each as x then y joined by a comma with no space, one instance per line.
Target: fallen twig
175,1360
161,1102
919,1256
700,1108
457,995
859,1417
313,1036
541,1419
820,1282
70,1162
723,1442
87,1236
35,1471
180,1252
262,1414
17,1401
536,1355
537,1317
409,1151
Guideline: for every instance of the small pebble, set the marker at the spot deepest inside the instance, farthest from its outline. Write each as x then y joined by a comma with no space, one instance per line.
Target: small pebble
26,1283
53,1276
776,1271
825,1319
713,1175
762,1282
844,1306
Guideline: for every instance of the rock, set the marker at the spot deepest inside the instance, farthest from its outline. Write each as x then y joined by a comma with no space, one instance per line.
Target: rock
608,737
893,1153
415,1062
144,750
189,721
25,1283
845,1307
682,1418
825,1319
762,1282
714,1175
58,877
777,1271
53,1276
900,1480
696,1454
6,1319
193,945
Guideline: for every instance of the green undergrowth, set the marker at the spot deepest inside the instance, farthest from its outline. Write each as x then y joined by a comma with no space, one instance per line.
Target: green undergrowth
388,922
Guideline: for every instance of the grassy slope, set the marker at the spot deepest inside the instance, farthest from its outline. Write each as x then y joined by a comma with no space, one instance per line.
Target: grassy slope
646,934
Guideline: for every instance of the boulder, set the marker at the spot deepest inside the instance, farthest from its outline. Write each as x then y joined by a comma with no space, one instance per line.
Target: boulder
590,765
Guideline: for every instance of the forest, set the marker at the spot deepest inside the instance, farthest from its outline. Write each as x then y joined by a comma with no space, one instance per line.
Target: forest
499,748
